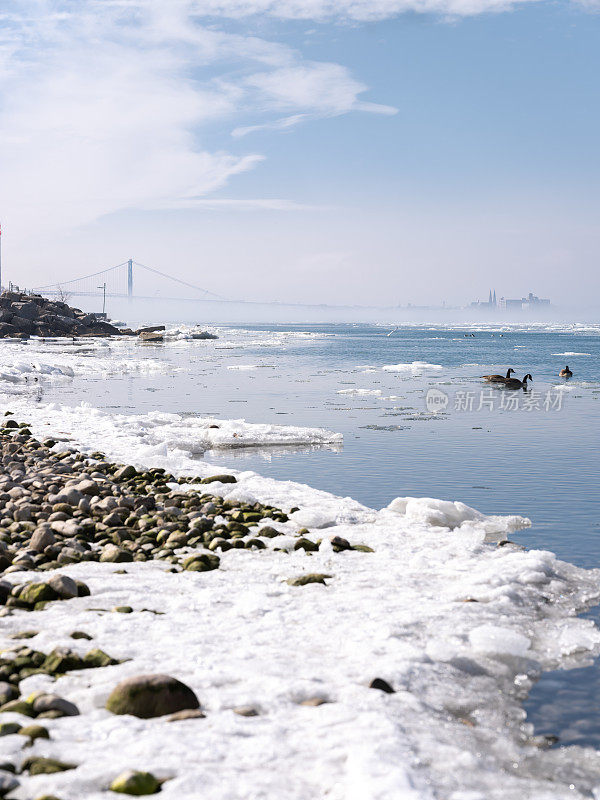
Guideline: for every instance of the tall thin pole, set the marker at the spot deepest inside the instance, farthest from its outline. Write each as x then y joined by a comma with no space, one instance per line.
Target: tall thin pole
0,257
103,287
130,278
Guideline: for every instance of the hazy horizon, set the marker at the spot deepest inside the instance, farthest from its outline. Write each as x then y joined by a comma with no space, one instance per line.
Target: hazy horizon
348,153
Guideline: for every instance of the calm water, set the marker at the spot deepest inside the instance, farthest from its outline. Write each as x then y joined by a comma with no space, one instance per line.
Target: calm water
539,459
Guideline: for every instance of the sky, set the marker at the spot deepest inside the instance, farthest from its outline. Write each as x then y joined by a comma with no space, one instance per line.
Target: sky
374,152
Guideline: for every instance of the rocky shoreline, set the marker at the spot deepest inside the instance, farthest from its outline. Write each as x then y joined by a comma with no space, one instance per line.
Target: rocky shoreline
62,508
24,315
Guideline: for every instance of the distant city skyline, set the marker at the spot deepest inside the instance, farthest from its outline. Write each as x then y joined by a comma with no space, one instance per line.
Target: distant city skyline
342,153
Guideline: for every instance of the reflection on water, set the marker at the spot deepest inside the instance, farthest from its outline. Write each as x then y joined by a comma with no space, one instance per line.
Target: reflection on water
247,453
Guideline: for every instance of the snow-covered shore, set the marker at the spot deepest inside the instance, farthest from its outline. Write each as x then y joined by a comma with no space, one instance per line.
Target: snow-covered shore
457,625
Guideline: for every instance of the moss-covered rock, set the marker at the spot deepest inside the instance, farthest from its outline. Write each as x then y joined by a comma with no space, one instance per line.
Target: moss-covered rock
220,479
306,544
81,635
311,577
37,593
18,707
147,696
47,797
34,732
98,658
113,554
8,728
135,783
38,765
203,562
61,659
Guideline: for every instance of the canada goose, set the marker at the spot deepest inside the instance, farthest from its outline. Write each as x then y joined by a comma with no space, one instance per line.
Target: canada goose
566,373
498,378
514,383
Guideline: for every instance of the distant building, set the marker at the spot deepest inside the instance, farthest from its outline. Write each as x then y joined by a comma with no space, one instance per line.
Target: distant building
506,304
532,301
491,303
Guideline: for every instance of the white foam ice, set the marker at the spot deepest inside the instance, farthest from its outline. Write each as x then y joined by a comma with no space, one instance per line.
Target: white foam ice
571,354
453,515
36,361
360,392
414,367
243,367
24,371
241,636
173,437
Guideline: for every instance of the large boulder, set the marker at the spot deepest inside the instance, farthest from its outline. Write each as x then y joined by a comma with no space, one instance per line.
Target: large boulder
45,703
28,310
22,324
6,329
41,538
147,696
135,783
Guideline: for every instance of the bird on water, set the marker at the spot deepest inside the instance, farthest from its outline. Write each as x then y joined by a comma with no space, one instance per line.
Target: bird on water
498,378
515,383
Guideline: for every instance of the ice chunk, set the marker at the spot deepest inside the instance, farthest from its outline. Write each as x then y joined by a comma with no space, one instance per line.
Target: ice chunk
496,639
414,366
450,514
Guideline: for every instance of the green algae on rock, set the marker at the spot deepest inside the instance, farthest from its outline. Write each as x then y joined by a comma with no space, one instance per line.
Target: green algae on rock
148,696
135,783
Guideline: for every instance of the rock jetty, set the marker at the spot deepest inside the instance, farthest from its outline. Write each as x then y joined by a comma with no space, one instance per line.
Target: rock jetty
25,315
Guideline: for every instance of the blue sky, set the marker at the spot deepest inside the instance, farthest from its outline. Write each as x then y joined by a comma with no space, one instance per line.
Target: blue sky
366,152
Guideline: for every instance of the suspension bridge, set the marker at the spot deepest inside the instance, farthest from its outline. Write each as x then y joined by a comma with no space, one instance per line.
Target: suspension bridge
118,281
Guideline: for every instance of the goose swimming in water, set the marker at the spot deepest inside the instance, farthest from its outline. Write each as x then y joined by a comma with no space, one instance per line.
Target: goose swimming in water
566,372
515,383
498,378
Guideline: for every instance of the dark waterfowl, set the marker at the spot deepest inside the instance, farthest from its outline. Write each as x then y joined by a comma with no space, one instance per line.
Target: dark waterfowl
498,378
566,372
515,383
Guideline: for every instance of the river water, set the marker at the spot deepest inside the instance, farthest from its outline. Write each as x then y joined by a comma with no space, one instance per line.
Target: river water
532,453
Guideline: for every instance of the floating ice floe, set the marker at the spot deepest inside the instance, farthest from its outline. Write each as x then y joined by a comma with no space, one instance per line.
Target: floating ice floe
360,392
414,366
84,361
158,433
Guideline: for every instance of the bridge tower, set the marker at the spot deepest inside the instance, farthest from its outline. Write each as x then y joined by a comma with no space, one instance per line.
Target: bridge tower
130,278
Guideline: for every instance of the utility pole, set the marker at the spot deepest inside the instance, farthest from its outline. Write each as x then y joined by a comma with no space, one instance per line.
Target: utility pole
103,287
130,278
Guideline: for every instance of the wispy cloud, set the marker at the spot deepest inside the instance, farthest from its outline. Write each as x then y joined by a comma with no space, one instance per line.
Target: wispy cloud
238,204
354,10
104,105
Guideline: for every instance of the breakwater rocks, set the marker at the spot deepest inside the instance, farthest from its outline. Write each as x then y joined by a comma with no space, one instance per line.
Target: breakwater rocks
23,315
